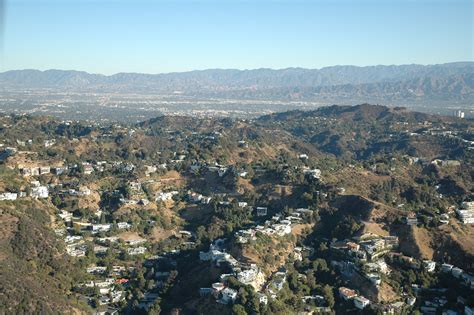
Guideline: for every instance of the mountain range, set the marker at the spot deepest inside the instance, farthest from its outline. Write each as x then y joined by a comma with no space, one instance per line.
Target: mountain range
450,81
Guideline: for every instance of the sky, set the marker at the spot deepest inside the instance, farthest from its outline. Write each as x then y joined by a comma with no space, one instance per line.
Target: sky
112,36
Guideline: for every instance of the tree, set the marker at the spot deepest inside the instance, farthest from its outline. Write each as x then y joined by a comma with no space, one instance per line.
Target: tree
328,295
155,308
57,201
238,309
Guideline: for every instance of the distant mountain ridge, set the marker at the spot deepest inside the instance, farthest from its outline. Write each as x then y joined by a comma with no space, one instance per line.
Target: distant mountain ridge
450,81
264,78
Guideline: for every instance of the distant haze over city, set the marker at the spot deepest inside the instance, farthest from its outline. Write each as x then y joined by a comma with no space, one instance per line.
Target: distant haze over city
441,88
131,60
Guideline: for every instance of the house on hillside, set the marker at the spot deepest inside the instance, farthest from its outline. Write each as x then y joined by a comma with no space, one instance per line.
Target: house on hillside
39,192
49,143
361,302
261,211
228,296
347,294
87,168
8,196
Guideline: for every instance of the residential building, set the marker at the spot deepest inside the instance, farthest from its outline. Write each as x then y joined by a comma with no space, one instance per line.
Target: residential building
101,227
39,192
217,287
44,170
313,173
123,225
466,213
361,302
411,220
261,211
262,298
446,267
429,265
346,293
457,272
8,196
136,250
87,168
228,296
49,143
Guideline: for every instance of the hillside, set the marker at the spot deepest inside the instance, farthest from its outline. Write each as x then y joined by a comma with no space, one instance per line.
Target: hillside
280,211
31,259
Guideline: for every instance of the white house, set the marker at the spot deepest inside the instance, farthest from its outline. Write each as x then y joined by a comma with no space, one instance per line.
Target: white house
466,216
124,225
228,296
247,276
44,170
66,216
163,196
8,196
136,251
101,227
429,265
262,298
242,174
314,173
282,229
262,211
49,143
84,191
361,302
39,192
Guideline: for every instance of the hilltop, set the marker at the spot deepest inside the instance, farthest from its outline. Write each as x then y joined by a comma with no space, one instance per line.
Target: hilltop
363,113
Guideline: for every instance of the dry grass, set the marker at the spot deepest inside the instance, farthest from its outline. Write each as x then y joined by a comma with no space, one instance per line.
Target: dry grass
158,234
423,241
373,228
129,236
461,234
355,181
83,146
244,185
89,202
386,293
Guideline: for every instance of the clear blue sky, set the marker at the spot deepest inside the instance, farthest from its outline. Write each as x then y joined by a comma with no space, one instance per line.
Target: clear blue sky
112,36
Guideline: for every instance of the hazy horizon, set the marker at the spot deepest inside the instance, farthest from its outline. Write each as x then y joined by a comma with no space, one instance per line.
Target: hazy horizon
241,69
